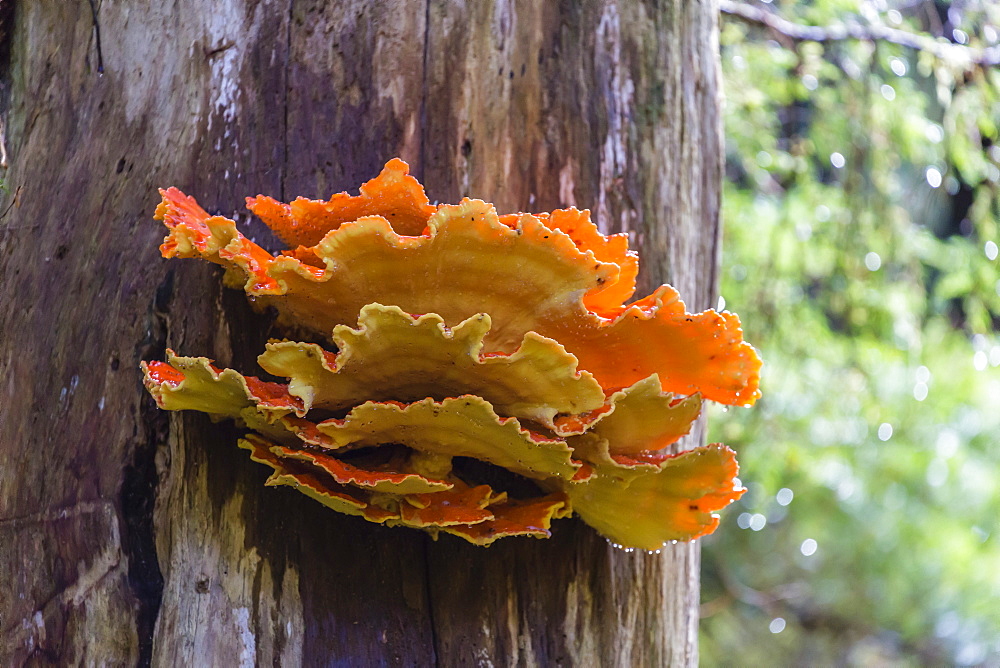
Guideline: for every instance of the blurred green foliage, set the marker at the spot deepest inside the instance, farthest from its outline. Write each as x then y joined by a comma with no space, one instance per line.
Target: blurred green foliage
860,213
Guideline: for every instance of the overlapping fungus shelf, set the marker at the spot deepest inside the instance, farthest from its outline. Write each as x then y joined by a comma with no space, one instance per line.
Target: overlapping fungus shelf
454,335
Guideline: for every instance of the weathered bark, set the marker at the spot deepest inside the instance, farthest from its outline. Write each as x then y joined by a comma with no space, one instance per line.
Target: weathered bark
128,535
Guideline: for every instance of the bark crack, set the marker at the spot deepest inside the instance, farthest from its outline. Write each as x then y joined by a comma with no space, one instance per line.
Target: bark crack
428,574
422,153
140,482
288,67
97,36
424,92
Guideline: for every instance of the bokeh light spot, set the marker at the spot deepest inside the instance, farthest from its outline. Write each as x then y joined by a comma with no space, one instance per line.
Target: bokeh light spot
808,547
873,261
933,176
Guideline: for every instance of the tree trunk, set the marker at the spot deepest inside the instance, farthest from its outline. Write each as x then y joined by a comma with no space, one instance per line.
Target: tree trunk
129,535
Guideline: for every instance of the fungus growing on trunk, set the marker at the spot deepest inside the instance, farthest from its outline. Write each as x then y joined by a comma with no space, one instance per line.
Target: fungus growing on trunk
456,335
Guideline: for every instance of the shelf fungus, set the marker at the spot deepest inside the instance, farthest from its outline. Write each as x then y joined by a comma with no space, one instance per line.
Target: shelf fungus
481,374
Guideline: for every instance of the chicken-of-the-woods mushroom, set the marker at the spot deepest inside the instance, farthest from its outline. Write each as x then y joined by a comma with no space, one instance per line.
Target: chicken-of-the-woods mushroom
485,373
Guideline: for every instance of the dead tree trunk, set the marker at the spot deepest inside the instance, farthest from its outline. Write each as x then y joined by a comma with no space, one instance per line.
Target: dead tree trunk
128,535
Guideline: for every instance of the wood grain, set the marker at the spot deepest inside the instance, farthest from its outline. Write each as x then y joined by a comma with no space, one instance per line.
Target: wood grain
131,536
